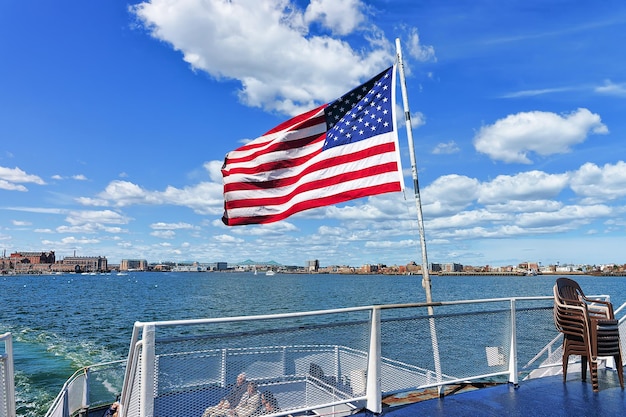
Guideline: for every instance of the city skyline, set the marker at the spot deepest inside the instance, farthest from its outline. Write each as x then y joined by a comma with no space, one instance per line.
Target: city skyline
520,264
117,116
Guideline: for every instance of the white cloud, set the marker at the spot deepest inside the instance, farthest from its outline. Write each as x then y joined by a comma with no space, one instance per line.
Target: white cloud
203,198
70,241
20,223
164,234
12,178
449,194
77,177
600,183
269,229
512,139
269,48
214,168
419,51
446,148
103,216
340,17
17,175
584,214
227,239
171,226
531,185
43,210
611,88
5,185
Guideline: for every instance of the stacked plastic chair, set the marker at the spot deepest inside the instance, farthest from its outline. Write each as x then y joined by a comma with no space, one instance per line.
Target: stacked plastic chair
589,329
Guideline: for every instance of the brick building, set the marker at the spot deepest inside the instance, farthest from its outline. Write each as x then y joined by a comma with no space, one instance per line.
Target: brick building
32,257
86,263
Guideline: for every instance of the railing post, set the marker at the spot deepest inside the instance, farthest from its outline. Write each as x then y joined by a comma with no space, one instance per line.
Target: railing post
373,390
147,371
86,393
9,388
513,378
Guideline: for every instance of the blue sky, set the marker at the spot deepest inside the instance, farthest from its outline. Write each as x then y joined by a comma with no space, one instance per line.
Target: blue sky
116,116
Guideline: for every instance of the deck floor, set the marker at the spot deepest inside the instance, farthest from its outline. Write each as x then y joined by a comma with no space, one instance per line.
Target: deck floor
547,396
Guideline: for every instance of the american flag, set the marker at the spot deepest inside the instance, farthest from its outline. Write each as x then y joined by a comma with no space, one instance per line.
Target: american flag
337,152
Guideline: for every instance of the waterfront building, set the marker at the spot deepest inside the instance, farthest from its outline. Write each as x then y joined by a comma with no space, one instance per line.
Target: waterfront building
33,257
86,263
133,265
313,266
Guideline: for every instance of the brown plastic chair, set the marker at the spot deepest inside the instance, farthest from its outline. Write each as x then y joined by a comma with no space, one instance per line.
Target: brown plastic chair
589,329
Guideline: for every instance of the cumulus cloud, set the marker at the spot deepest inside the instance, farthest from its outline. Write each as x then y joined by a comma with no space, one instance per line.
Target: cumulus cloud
12,178
340,17
278,52
203,198
577,213
418,50
164,234
600,183
527,203
531,185
93,221
101,216
512,139
449,194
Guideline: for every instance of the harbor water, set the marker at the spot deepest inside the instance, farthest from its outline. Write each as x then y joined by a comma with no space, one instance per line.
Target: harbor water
64,322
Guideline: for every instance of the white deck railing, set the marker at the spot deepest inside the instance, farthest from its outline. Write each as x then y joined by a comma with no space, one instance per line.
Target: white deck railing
331,361
181,367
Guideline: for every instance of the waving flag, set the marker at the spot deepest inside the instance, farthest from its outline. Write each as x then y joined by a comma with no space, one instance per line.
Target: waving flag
337,152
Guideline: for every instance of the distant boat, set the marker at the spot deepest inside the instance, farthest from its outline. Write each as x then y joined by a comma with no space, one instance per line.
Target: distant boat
119,274
269,273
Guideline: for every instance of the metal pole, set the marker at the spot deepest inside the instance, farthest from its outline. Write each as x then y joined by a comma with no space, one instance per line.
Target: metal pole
513,379
9,374
426,284
409,132
148,359
373,382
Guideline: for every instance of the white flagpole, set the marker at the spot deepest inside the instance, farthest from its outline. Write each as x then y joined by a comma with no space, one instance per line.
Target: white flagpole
409,132
420,221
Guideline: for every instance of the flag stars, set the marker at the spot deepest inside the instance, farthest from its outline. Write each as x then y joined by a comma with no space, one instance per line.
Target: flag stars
349,115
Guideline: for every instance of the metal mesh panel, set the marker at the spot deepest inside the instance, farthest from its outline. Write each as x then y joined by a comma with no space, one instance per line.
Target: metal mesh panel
473,344
105,383
4,406
299,362
132,408
482,336
535,326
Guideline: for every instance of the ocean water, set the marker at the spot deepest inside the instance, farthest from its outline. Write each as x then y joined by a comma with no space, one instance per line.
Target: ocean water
64,322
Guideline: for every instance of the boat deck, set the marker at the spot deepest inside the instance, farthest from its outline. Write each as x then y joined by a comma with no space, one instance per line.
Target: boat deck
547,396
